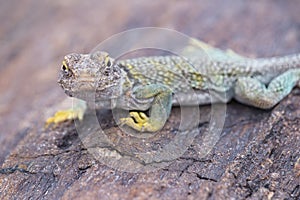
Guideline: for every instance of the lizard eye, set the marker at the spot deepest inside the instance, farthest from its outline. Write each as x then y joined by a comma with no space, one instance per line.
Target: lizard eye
65,68
107,62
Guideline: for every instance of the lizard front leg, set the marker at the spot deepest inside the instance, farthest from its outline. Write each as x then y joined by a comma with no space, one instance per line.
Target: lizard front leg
252,92
76,112
159,110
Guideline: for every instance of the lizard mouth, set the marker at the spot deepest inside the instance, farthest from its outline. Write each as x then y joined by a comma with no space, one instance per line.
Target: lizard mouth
69,93
86,86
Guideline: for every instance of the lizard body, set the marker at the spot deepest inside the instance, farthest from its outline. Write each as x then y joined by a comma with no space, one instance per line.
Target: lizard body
149,83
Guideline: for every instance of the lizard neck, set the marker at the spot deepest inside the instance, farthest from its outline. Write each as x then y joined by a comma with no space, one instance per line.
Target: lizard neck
126,83
115,90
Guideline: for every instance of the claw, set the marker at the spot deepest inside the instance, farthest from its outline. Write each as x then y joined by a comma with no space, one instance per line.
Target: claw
64,115
140,122
139,117
76,112
137,120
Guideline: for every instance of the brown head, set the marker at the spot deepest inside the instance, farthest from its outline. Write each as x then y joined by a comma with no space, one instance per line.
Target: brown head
84,75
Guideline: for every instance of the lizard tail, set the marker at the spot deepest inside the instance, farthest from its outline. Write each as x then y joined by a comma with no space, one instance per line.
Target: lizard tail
197,49
279,64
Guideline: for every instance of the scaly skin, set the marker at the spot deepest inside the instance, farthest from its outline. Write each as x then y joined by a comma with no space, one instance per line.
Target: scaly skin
150,82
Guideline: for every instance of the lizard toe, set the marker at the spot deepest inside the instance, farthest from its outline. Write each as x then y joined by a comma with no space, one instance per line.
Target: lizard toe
62,116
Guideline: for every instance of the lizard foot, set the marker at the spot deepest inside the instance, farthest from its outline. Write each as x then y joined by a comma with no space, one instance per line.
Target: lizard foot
140,122
64,115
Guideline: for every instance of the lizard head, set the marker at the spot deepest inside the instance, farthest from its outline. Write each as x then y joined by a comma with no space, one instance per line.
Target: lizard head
90,76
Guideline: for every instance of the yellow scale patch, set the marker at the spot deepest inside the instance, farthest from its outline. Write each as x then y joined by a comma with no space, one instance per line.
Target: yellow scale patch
169,75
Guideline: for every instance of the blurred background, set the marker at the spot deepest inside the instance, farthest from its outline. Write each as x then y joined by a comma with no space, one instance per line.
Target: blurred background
35,35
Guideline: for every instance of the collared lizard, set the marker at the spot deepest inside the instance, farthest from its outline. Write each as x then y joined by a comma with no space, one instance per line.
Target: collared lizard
149,83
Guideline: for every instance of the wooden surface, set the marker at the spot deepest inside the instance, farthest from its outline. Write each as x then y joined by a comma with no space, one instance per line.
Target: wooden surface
256,157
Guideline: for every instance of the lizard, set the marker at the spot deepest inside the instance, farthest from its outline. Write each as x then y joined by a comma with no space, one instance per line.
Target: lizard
155,83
